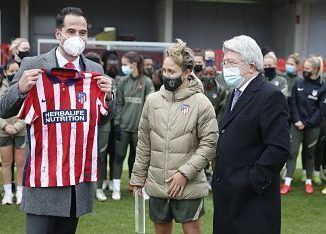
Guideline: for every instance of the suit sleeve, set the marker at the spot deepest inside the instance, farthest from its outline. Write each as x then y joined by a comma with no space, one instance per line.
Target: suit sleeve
276,138
143,151
11,100
207,135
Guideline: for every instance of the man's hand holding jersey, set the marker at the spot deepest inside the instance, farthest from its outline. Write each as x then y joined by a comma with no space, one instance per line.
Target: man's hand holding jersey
105,84
28,80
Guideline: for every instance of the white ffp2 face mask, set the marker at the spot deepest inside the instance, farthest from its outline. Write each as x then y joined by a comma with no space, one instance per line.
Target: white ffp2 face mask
73,45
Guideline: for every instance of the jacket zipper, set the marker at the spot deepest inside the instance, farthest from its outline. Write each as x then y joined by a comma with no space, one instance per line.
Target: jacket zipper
167,143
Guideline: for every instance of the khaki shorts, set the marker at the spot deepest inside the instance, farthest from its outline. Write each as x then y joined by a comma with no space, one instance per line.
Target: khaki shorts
165,210
17,141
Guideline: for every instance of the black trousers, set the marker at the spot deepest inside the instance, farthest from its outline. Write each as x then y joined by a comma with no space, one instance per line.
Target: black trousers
43,224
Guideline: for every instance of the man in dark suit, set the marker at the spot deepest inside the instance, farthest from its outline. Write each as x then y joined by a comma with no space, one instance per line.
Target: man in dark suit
252,148
56,209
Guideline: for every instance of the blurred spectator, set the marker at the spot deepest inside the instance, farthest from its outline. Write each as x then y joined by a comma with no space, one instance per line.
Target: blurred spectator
111,66
270,63
20,48
199,62
95,57
149,67
12,142
214,91
307,97
291,71
132,92
157,79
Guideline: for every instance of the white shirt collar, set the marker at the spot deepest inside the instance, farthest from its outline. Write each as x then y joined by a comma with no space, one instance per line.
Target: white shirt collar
245,85
62,61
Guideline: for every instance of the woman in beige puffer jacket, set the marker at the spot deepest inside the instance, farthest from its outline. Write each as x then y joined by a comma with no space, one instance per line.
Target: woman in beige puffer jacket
177,134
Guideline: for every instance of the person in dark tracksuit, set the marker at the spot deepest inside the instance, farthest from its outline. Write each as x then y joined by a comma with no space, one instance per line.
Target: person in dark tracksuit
308,96
214,91
217,94
111,66
291,71
132,92
320,157
270,62
291,75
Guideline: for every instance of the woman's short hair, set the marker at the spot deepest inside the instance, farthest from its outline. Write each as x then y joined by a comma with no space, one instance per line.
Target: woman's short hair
182,55
248,49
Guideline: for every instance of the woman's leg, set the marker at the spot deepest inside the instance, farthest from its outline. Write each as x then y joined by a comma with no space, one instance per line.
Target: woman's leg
163,228
295,141
121,146
6,159
19,160
192,227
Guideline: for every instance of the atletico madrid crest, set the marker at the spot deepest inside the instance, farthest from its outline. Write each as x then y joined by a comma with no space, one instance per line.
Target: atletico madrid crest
185,108
81,97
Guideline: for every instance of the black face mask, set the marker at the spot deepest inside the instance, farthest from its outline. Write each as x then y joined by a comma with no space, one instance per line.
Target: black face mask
10,77
306,74
149,71
172,84
270,72
23,54
207,81
112,72
198,68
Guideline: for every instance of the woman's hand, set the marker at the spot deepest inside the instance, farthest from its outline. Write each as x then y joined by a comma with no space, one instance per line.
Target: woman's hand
10,130
299,125
177,183
137,189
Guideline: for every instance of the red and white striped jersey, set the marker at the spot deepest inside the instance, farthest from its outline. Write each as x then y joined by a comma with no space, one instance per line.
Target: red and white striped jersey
62,112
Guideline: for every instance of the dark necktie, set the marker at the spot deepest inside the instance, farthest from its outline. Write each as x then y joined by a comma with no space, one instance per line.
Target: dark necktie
236,96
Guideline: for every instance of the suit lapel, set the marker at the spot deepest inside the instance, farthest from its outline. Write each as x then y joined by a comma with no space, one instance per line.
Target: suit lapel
245,98
50,60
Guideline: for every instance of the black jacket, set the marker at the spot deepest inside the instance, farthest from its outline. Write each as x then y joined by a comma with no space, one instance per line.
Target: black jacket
252,148
308,97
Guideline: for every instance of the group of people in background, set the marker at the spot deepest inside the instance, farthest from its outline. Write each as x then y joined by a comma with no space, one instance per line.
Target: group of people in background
135,77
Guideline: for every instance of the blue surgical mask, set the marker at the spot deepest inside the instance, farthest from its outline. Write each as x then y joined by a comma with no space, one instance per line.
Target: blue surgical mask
126,70
290,69
232,77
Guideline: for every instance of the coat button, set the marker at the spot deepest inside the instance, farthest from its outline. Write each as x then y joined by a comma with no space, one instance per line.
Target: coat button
222,131
218,180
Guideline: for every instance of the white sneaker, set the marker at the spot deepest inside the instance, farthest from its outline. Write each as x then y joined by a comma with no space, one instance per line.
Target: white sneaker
19,197
7,199
100,195
116,195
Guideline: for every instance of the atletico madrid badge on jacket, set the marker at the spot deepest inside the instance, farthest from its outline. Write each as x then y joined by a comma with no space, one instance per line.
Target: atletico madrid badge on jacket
185,108
81,97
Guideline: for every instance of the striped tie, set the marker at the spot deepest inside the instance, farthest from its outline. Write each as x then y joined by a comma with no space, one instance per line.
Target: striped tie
236,96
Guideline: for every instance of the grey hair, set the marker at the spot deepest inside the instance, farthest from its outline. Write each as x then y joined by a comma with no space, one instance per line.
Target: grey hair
248,49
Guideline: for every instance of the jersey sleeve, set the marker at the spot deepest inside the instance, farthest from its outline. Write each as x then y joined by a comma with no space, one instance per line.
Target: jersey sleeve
27,111
102,104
